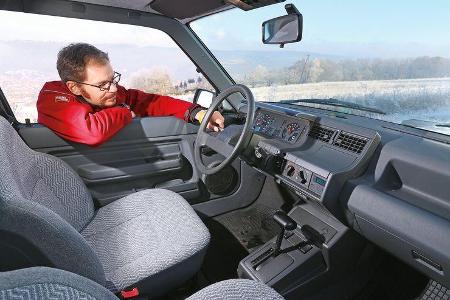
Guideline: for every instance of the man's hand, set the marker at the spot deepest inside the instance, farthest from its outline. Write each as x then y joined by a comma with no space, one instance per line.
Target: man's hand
216,122
133,115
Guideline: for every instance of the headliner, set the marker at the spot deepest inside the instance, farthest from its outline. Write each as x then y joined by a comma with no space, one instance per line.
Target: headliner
183,10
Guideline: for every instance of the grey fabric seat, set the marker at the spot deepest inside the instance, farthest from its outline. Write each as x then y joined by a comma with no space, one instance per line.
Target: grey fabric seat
147,239
41,283
148,232
46,283
237,289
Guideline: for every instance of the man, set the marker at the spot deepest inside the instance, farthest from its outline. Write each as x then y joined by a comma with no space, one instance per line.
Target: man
88,106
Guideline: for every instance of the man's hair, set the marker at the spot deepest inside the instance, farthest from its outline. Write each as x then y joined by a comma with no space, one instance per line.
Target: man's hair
72,60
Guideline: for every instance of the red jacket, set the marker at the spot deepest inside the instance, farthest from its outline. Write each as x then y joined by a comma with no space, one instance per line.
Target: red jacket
74,119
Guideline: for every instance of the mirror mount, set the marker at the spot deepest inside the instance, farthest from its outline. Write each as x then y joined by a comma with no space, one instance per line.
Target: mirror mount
292,10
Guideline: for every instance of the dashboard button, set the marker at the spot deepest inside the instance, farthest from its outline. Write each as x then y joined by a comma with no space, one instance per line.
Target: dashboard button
302,177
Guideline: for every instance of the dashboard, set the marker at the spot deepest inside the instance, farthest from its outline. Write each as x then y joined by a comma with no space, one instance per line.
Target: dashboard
308,154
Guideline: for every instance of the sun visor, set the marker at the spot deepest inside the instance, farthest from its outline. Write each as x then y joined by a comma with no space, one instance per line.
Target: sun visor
185,9
252,4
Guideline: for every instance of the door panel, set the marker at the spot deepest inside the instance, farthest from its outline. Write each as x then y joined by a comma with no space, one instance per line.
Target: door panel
142,160
153,152
148,153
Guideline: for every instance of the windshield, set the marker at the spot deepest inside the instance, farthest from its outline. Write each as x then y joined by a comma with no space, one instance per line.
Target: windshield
391,56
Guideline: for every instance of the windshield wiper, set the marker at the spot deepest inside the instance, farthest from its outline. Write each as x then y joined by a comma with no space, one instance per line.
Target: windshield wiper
334,102
427,125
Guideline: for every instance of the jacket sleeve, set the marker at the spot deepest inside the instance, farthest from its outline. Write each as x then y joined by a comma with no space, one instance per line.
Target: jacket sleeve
145,104
79,123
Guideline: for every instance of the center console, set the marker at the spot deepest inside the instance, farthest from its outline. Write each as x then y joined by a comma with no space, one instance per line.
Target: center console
298,253
313,158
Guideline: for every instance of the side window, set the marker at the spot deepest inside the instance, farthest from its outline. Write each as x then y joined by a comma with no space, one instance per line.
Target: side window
148,59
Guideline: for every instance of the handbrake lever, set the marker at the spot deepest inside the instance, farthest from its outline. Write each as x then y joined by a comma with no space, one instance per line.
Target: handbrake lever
313,236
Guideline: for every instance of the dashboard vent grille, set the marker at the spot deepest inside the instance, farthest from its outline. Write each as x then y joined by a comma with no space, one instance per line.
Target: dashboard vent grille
321,133
350,142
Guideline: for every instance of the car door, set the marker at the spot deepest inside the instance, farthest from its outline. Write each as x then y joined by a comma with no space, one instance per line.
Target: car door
151,152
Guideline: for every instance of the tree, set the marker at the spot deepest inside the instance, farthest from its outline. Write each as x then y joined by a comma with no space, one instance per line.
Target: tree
157,82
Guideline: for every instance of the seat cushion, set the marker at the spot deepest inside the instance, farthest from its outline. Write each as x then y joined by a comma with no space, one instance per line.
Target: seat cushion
148,233
41,283
237,289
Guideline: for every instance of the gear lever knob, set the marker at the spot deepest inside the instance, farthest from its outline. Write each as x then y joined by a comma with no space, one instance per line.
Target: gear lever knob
285,222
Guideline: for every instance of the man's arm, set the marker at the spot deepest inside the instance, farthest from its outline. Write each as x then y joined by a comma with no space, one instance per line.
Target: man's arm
145,104
77,122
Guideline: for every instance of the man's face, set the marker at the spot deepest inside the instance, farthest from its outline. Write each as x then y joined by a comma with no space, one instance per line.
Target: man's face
98,74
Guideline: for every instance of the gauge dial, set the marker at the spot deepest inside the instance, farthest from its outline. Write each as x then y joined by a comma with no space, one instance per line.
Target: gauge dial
293,131
263,122
292,127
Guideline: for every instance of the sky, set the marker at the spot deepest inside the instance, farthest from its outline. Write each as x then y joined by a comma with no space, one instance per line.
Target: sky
384,28
22,26
351,28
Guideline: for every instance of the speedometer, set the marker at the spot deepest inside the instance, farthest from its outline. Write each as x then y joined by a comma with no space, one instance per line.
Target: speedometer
293,131
292,127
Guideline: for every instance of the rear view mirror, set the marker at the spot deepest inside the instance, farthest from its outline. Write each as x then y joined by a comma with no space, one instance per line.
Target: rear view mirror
284,29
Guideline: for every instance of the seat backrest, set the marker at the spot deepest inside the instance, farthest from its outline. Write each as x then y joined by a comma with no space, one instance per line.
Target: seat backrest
41,178
47,283
43,206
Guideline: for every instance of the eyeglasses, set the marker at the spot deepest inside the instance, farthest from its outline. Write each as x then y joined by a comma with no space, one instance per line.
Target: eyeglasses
105,86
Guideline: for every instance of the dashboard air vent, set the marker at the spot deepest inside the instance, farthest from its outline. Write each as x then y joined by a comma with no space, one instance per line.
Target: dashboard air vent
321,133
350,142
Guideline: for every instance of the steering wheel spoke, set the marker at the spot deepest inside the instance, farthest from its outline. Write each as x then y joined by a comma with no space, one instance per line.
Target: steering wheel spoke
217,145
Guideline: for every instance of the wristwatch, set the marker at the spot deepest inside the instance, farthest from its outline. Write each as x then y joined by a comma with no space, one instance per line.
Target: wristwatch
125,105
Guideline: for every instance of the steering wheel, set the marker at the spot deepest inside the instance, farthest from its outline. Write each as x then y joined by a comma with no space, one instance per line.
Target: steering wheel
220,142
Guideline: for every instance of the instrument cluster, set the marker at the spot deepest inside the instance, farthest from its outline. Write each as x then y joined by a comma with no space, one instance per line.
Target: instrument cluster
273,125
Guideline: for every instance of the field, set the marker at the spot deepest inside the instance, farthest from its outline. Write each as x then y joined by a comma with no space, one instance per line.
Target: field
426,99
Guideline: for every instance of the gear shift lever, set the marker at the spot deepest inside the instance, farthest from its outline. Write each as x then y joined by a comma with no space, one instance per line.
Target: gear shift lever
286,223
313,237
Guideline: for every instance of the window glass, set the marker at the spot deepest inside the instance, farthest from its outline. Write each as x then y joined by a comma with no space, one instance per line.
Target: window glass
148,59
393,56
